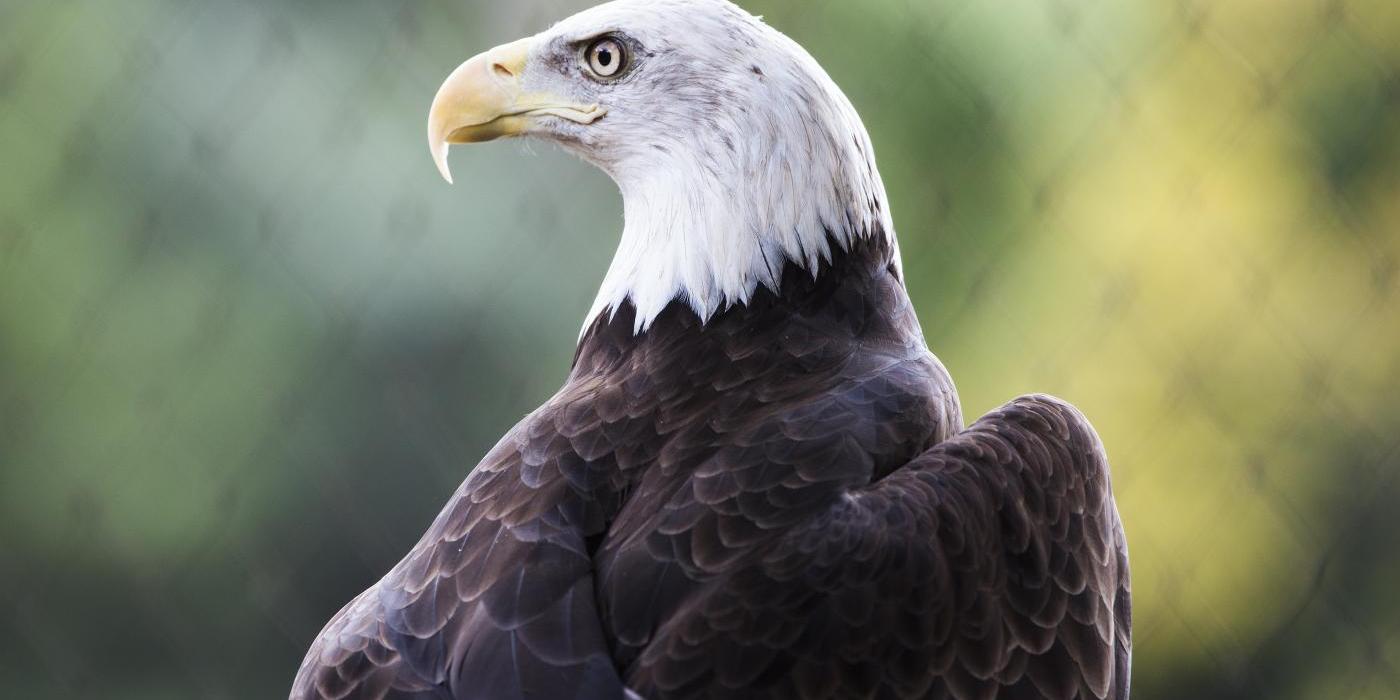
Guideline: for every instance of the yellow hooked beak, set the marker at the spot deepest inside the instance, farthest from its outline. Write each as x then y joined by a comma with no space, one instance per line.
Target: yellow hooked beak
483,100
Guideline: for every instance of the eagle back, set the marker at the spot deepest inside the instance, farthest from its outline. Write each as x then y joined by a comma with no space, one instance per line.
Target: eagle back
732,430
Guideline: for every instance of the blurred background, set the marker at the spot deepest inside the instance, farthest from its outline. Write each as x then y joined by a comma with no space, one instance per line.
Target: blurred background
250,342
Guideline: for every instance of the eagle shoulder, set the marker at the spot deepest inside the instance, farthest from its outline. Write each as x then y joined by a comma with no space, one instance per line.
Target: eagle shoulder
993,564
496,600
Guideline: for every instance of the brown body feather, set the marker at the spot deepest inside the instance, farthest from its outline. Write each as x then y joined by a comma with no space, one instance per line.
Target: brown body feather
779,503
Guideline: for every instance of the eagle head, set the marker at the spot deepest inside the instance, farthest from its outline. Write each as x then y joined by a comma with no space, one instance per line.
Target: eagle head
734,151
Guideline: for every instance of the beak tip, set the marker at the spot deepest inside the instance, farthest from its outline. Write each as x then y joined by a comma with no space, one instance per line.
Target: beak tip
439,150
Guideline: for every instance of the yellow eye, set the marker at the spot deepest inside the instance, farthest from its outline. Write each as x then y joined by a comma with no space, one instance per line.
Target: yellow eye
606,58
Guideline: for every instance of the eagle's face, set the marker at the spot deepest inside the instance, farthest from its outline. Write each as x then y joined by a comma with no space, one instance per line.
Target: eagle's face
634,86
734,150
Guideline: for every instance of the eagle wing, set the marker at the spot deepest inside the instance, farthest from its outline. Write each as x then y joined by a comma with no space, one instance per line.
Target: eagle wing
496,601
993,565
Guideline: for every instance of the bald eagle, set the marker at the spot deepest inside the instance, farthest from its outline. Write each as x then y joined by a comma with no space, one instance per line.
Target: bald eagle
755,482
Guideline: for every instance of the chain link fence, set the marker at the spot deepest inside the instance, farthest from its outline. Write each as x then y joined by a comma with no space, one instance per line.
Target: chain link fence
249,343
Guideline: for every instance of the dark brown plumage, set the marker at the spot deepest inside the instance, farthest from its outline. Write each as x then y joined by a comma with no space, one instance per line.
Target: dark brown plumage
779,503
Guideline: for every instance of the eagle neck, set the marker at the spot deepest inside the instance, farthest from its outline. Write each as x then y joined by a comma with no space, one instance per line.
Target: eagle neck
853,297
711,248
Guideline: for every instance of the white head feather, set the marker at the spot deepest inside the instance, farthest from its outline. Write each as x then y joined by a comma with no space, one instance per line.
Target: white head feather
733,149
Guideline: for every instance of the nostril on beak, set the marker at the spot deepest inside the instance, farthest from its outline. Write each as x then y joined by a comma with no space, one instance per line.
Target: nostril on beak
500,71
